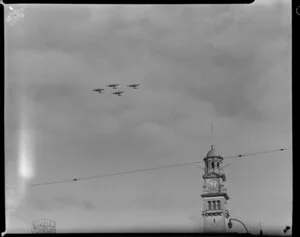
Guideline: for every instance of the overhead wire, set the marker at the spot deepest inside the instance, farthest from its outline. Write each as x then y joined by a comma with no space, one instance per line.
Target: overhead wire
256,153
116,173
252,154
148,169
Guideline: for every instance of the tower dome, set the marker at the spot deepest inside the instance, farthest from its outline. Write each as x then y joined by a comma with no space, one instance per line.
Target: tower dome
212,152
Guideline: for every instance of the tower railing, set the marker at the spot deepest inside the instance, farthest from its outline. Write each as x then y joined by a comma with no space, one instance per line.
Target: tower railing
219,190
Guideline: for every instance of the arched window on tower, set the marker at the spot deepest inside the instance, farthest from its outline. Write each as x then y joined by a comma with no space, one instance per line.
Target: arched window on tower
212,165
218,165
209,205
214,205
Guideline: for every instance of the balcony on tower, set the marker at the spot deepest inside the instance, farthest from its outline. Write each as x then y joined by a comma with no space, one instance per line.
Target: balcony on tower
207,190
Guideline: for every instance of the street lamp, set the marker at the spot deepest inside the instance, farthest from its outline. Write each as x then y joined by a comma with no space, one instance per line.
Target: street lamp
287,228
230,224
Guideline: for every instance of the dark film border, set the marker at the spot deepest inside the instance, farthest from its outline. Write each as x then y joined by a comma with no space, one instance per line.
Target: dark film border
295,74
127,2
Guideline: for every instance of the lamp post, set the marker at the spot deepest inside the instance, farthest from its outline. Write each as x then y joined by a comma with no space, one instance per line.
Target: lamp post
230,224
287,228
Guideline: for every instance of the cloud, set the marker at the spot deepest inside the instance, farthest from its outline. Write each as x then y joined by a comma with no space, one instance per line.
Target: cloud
191,67
61,203
88,205
45,32
167,48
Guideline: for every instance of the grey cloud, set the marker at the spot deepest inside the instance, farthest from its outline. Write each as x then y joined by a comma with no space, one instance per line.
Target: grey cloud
48,26
61,202
179,61
66,202
88,205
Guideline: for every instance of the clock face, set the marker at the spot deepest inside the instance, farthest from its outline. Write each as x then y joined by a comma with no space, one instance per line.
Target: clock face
213,184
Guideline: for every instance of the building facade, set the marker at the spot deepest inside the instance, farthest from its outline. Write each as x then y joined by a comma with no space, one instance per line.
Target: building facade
215,214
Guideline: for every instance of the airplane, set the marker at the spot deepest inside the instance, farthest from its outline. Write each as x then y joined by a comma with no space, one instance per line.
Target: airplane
114,86
134,86
99,90
119,93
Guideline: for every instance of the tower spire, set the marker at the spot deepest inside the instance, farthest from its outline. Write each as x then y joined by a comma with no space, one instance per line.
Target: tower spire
211,132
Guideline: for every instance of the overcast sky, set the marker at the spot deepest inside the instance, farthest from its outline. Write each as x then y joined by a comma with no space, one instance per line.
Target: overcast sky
230,64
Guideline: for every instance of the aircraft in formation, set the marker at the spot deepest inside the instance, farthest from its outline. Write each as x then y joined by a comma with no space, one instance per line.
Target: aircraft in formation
99,90
134,86
114,86
118,93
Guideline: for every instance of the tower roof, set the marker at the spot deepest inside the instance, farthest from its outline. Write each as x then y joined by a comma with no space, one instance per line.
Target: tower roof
212,152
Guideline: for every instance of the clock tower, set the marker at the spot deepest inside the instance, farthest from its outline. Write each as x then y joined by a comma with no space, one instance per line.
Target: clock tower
214,194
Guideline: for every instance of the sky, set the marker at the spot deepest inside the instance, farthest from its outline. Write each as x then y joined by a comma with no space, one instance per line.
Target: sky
229,64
